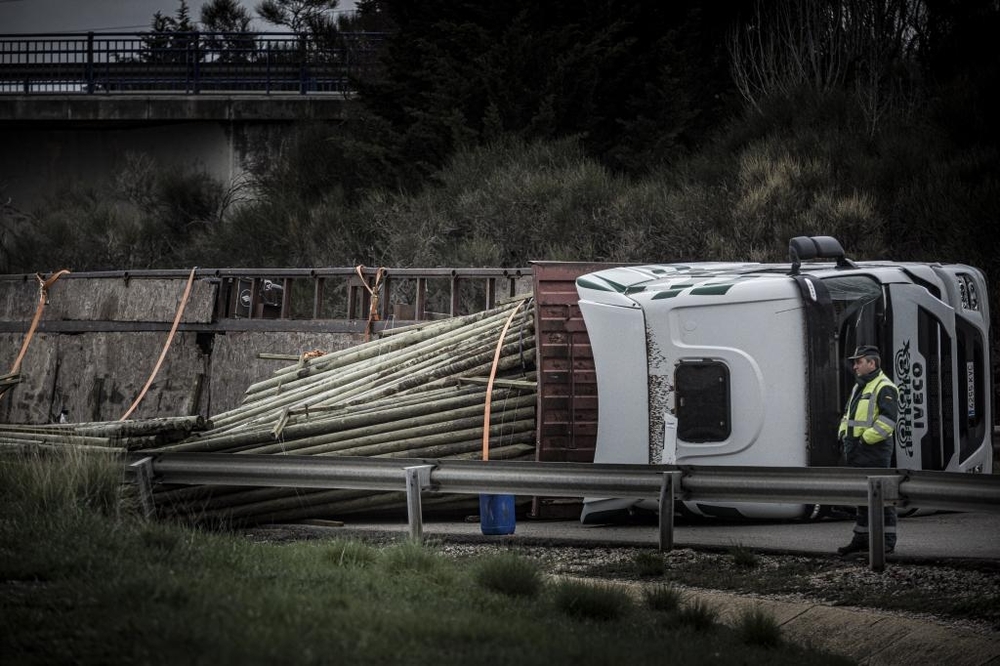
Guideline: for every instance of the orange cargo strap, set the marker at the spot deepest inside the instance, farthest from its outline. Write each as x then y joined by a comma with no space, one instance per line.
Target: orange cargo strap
43,299
489,384
373,291
166,346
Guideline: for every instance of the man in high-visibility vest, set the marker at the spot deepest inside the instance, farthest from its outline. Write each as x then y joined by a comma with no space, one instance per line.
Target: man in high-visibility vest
866,435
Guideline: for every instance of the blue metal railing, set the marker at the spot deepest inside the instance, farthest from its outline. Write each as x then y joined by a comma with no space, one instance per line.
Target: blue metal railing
184,62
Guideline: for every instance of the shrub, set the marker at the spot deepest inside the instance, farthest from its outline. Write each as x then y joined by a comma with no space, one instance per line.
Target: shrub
698,615
757,627
160,537
413,558
508,574
649,563
663,598
67,481
350,553
501,205
591,601
743,557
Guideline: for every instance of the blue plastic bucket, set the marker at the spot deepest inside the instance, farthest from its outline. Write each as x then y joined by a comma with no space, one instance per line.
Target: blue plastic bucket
496,514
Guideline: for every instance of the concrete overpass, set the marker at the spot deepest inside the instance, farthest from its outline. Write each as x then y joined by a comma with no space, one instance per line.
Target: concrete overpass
73,108
51,142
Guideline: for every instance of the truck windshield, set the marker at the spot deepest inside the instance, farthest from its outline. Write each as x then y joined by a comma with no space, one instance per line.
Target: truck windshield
858,307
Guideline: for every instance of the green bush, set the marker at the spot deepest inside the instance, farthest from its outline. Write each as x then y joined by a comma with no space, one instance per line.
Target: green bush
65,481
591,601
350,553
662,598
698,615
411,557
743,557
757,627
160,537
502,205
509,574
649,563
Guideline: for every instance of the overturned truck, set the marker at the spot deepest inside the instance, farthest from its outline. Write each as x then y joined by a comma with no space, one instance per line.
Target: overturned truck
685,364
743,364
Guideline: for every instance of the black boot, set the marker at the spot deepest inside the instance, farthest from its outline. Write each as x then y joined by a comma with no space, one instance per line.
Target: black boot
854,547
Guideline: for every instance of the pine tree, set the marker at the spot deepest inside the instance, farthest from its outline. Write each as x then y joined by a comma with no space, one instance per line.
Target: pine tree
232,19
172,38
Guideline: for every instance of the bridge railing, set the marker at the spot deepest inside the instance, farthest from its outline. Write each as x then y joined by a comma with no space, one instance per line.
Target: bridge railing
184,62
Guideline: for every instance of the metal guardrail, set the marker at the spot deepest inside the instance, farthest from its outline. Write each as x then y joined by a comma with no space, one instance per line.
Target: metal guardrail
184,62
814,485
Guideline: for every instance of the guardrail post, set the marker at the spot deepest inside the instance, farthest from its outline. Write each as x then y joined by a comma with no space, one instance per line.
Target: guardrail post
880,490
669,482
418,477
143,470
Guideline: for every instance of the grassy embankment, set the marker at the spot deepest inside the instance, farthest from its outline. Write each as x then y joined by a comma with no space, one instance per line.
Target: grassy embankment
86,580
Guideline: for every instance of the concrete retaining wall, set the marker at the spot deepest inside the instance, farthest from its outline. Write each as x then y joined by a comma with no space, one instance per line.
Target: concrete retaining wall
95,374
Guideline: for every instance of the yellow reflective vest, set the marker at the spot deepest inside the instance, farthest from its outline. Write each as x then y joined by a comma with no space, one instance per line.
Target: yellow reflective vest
867,424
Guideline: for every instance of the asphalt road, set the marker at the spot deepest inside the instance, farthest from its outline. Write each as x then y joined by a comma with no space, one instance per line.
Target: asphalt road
959,536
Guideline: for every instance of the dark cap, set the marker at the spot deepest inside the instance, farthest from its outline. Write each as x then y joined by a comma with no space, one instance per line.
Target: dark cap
864,351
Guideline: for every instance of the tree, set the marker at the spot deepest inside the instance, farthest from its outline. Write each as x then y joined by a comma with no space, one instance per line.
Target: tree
637,82
225,16
232,19
867,49
370,16
179,22
964,66
301,16
171,38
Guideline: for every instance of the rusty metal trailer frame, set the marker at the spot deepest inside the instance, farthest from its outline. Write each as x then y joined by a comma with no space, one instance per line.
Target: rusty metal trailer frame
494,284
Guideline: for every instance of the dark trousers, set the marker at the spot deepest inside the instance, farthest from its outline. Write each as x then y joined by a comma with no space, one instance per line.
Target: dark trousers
861,529
859,454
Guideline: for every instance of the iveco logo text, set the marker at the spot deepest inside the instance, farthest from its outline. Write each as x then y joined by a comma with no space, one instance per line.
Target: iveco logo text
912,410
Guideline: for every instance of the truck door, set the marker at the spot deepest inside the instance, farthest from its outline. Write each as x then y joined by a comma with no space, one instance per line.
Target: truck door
921,332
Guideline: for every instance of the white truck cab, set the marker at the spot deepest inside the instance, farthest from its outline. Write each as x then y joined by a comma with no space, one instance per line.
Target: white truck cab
745,364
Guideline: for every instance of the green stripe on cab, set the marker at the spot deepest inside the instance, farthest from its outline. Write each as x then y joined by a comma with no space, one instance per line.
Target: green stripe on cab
712,289
589,284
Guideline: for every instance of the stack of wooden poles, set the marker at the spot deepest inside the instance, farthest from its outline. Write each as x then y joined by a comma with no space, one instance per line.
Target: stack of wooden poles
414,392
318,405
418,392
103,435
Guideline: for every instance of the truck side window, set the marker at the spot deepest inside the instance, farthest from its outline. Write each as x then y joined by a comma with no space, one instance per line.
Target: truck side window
703,401
857,306
858,309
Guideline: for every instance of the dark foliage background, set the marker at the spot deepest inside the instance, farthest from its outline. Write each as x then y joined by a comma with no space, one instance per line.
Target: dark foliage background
499,133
